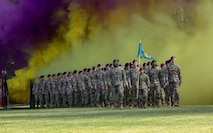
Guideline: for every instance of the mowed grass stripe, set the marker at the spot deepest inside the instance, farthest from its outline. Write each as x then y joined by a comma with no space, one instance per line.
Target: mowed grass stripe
183,119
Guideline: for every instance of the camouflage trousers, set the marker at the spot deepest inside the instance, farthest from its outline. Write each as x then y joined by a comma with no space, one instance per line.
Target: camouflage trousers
118,94
174,93
127,97
92,97
76,97
155,91
166,90
70,99
142,97
41,100
47,99
134,101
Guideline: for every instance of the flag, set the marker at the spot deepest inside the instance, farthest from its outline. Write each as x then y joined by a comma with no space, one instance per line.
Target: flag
141,53
4,90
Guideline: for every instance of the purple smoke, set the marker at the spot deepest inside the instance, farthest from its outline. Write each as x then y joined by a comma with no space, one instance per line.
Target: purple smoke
24,23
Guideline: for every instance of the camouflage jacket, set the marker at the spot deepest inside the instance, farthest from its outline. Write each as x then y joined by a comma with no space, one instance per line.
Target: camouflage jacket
174,73
154,76
144,82
118,76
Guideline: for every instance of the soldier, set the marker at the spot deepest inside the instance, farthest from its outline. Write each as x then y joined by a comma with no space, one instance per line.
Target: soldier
155,86
64,85
144,85
100,85
47,90
127,91
74,82
175,80
118,81
108,99
59,85
134,75
69,90
146,72
94,87
35,93
165,82
55,89
88,86
40,86
80,88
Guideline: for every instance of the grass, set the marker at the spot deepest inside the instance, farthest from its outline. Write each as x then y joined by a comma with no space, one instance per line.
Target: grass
185,119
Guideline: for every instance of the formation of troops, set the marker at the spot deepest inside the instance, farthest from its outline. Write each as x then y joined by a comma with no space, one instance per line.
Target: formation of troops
112,86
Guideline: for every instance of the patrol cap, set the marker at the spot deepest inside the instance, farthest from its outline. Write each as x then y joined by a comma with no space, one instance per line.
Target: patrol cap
75,71
49,75
115,60
64,73
98,65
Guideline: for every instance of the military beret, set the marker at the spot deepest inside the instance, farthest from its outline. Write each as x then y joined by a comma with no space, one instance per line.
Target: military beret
148,63
153,61
85,69
79,72
53,75
93,68
48,75
88,69
64,73
172,57
115,60
98,65
135,61
167,62
58,74
162,64
75,71
144,64
107,65
42,76
127,64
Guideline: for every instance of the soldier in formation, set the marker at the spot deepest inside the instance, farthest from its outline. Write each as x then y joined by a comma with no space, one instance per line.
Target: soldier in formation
112,86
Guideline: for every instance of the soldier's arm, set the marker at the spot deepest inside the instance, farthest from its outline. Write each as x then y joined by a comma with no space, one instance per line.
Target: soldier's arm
124,78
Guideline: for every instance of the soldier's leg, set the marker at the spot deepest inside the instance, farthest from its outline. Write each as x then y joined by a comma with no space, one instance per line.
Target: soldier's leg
144,99
171,94
166,90
176,95
114,96
86,94
152,96
140,98
98,96
47,100
158,95
120,96
162,96
57,100
41,101
64,97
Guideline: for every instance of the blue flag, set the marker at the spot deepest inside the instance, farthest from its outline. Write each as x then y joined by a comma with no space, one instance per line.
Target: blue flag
141,52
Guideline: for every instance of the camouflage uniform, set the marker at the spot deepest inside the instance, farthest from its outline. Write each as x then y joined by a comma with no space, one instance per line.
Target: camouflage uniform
108,98
69,91
144,85
80,90
165,83
134,75
47,92
55,89
74,86
35,93
100,86
154,76
118,81
175,79
88,87
64,86
94,88
127,91
40,86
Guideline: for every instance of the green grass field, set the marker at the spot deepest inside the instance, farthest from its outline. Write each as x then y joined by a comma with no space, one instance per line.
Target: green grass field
185,119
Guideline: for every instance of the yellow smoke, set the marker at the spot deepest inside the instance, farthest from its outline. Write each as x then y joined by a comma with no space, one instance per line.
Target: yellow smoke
93,37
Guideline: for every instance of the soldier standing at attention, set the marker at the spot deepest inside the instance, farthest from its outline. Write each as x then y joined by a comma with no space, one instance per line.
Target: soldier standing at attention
35,93
100,85
134,75
108,86
175,80
47,90
41,84
74,82
144,85
69,90
127,93
154,76
64,85
54,86
93,89
118,81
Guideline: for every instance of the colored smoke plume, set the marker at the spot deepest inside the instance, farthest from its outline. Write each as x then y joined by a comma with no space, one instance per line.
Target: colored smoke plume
97,31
